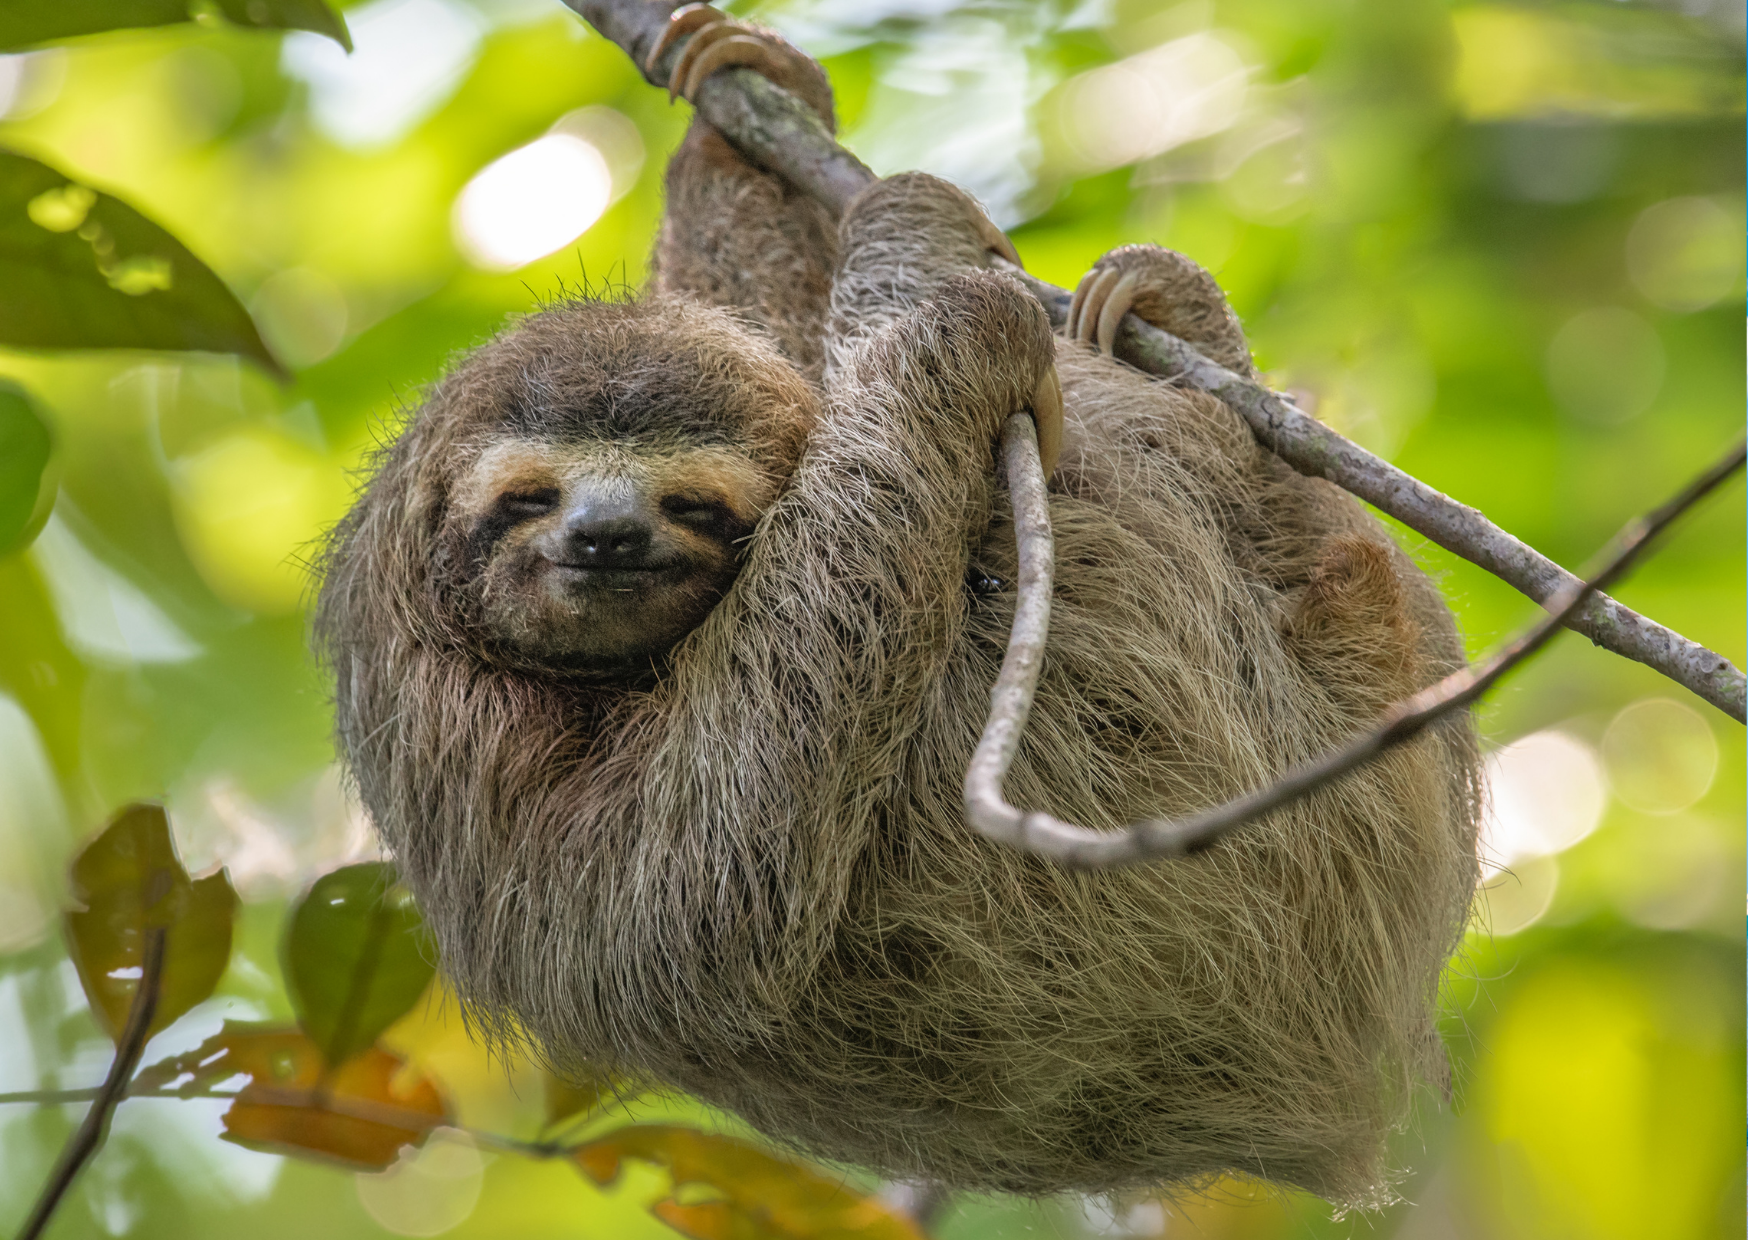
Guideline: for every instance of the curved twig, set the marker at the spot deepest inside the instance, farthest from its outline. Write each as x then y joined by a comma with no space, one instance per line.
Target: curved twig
89,1137
1011,699
780,133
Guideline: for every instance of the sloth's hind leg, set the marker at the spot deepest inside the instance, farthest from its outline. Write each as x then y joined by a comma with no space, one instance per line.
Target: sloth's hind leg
1167,290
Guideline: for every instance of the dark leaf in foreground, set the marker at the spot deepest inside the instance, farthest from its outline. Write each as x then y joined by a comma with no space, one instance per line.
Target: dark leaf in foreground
360,1114
83,270
25,23
127,880
289,15
356,957
758,1193
25,446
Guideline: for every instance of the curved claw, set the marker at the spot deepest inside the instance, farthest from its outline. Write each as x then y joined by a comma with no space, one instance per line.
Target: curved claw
1075,303
1047,414
998,241
682,21
1091,301
1117,304
721,47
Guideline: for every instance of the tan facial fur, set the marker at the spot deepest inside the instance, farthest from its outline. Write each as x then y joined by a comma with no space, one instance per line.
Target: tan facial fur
529,511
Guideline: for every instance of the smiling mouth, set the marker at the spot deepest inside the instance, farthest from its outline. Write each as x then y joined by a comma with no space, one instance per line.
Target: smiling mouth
617,579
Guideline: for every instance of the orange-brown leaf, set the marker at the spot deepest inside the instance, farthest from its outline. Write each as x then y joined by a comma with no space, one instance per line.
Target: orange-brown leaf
129,880
359,1114
763,1194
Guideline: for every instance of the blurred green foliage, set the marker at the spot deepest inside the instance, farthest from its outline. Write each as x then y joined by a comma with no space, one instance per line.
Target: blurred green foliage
1499,243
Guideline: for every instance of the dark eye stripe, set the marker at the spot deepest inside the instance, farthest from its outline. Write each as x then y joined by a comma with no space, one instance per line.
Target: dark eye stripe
528,503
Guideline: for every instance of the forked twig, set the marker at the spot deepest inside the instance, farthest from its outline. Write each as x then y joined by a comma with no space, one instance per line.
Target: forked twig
782,134
1011,699
89,1137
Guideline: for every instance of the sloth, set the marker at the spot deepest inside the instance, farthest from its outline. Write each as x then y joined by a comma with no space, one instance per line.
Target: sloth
664,628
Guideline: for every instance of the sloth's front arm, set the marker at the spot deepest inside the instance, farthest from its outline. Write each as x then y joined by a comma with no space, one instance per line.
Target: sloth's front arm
810,676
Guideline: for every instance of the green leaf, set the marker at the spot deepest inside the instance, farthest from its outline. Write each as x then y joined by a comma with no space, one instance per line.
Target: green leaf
83,270
289,15
356,958
24,23
25,446
127,881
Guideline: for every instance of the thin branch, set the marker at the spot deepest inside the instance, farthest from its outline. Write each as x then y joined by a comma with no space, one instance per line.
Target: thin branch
1312,448
386,1113
89,1137
780,133
1011,699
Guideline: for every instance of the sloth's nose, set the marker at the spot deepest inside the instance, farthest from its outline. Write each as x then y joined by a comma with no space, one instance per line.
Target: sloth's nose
607,535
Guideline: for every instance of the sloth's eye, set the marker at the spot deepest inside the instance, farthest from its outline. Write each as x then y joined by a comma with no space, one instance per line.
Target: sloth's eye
700,513
525,505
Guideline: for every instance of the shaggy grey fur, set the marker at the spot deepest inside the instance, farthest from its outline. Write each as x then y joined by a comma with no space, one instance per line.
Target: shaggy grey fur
750,877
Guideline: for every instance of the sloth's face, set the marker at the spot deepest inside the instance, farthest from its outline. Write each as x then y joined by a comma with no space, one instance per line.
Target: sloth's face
597,557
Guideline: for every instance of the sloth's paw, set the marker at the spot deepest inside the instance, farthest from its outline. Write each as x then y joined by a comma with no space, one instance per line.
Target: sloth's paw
1163,288
720,42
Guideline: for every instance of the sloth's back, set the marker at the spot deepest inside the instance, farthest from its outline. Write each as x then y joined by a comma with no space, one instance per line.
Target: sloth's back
991,1019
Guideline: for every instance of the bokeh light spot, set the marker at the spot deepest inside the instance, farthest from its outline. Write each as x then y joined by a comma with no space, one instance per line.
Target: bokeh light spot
1515,899
1546,793
302,314
1611,1102
407,57
1661,756
248,506
1186,89
531,202
614,135
1605,365
1686,253
1682,872
429,1190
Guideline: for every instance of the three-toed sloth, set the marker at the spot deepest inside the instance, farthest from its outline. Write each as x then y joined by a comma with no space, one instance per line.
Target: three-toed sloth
665,628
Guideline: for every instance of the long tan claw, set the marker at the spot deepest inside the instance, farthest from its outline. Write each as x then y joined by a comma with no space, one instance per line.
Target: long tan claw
682,21
998,242
721,47
1047,414
1117,304
1089,296
1074,305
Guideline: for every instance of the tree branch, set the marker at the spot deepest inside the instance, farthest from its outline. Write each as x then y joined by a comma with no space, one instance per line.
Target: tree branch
780,133
1011,699
89,1137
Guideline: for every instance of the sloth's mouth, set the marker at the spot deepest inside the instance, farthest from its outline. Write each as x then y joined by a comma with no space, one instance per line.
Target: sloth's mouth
641,568
620,579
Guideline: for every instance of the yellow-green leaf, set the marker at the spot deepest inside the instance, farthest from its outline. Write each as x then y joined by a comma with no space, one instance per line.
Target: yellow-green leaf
125,881
24,23
762,1195
356,957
